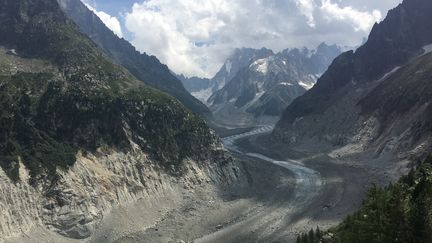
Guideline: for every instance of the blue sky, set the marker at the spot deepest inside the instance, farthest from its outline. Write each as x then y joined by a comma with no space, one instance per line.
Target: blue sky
112,7
115,8
194,37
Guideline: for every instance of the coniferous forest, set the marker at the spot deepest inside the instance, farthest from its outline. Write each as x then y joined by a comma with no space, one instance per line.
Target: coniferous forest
401,212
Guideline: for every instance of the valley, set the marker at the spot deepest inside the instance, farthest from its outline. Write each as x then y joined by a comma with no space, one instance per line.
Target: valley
102,142
283,195
325,190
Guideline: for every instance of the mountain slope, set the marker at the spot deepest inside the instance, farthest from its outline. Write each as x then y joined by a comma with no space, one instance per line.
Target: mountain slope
363,98
80,134
267,86
146,68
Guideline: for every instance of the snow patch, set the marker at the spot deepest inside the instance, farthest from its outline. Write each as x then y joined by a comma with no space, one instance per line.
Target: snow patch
12,52
305,85
228,66
286,84
255,99
203,95
316,76
261,65
427,49
310,53
389,73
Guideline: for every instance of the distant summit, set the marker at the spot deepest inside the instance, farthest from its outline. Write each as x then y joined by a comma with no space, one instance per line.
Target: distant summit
261,90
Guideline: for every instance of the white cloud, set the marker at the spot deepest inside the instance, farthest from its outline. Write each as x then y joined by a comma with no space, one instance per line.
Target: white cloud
111,22
307,8
362,21
181,32
194,37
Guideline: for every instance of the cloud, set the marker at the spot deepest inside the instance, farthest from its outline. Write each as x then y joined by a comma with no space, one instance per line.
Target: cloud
111,22
361,21
194,37
307,8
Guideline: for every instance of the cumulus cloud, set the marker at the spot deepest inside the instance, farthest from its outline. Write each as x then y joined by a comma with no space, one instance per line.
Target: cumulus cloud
361,21
307,8
111,22
194,37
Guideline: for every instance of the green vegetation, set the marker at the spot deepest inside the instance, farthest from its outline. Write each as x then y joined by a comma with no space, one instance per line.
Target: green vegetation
45,122
311,237
83,102
398,213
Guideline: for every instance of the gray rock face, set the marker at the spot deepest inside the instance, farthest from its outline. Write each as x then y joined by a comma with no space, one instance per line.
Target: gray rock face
76,204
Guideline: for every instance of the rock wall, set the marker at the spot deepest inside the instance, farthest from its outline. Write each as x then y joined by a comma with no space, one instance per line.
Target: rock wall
75,203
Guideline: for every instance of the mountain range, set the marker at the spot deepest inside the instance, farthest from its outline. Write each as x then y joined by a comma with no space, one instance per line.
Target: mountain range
266,84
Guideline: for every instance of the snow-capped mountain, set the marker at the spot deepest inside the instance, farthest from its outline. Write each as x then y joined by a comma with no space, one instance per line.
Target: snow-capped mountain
202,89
240,59
266,86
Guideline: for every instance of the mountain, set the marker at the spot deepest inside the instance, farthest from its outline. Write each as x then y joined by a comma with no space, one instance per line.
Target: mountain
262,90
242,57
377,97
198,87
80,135
312,61
239,59
146,68
194,84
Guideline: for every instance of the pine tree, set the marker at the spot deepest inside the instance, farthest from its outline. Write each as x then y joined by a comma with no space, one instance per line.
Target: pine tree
421,218
318,233
305,238
311,236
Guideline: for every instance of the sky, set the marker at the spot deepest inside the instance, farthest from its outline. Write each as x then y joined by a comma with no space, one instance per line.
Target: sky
195,37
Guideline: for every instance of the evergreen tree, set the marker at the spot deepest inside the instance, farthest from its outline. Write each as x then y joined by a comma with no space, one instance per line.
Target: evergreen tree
305,238
311,236
402,212
318,233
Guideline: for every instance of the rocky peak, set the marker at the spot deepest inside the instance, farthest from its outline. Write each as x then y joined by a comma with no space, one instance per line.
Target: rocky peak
241,58
398,38
267,85
394,41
